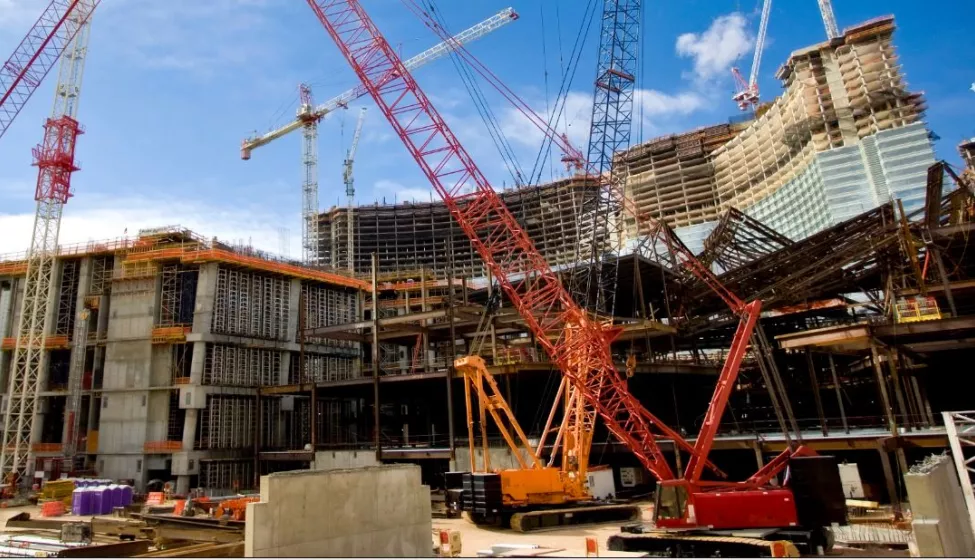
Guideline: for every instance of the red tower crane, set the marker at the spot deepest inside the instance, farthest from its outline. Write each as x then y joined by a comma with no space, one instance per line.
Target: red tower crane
36,54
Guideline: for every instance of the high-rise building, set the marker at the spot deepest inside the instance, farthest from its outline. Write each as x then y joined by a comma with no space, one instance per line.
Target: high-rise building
844,136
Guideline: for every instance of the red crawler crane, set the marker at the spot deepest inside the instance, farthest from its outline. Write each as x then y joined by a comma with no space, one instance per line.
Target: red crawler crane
578,345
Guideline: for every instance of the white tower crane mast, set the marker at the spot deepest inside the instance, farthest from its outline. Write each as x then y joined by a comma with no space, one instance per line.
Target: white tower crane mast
349,181
54,159
309,186
829,19
747,94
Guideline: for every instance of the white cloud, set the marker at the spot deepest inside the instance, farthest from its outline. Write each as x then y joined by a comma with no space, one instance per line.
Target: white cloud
102,217
659,104
716,49
394,191
656,106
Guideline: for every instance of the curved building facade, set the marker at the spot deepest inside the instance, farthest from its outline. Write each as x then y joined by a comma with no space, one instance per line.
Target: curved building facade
845,136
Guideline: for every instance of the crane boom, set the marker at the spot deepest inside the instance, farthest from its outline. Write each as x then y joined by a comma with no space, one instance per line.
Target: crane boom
577,345
829,19
36,54
474,32
760,43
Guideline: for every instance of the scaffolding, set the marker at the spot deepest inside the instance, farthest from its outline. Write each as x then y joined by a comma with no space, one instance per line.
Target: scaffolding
251,304
221,477
67,297
241,367
227,422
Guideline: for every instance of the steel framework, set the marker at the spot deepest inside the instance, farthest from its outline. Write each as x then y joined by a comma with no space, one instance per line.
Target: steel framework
579,346
609,134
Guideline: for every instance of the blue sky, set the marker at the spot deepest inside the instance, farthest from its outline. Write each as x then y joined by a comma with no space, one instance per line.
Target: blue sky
172,87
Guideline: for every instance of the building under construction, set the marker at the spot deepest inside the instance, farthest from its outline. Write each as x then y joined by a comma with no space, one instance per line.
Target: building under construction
209,364
845,136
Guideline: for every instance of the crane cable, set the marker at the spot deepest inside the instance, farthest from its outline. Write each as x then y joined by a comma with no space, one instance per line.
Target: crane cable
476,94
563,95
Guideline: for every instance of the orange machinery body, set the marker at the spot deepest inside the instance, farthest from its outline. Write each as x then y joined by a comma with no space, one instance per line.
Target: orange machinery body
533,487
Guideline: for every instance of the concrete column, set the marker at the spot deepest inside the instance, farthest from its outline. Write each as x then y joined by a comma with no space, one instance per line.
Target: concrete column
206,290
294,302
197,362
189,437
285,368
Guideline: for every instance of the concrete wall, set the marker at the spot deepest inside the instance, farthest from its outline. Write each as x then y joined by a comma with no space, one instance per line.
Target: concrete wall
124,423
366,512
328,460
940,522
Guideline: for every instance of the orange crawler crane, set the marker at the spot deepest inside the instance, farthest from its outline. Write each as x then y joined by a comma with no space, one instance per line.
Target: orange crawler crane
534,495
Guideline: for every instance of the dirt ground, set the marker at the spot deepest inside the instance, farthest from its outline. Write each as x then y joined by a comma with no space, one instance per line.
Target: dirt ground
572,540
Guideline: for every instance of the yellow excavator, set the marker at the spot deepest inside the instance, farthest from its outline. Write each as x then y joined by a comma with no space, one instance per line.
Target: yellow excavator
537,494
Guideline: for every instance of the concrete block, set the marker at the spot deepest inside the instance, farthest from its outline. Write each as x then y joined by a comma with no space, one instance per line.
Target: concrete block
340,546
927,537
257,536
349,512
396,501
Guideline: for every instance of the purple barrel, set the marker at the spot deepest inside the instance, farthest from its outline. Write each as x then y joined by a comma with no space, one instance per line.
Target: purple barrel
116,491
96,500
87,496
76,501
126,495
107,498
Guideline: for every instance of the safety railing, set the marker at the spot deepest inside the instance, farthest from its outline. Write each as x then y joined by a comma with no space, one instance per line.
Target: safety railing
917,309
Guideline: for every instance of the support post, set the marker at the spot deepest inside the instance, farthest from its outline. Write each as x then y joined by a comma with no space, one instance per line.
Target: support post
425,338
814,384
944,278
889,480
898,392
375,356
882,387
839,393
453,356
